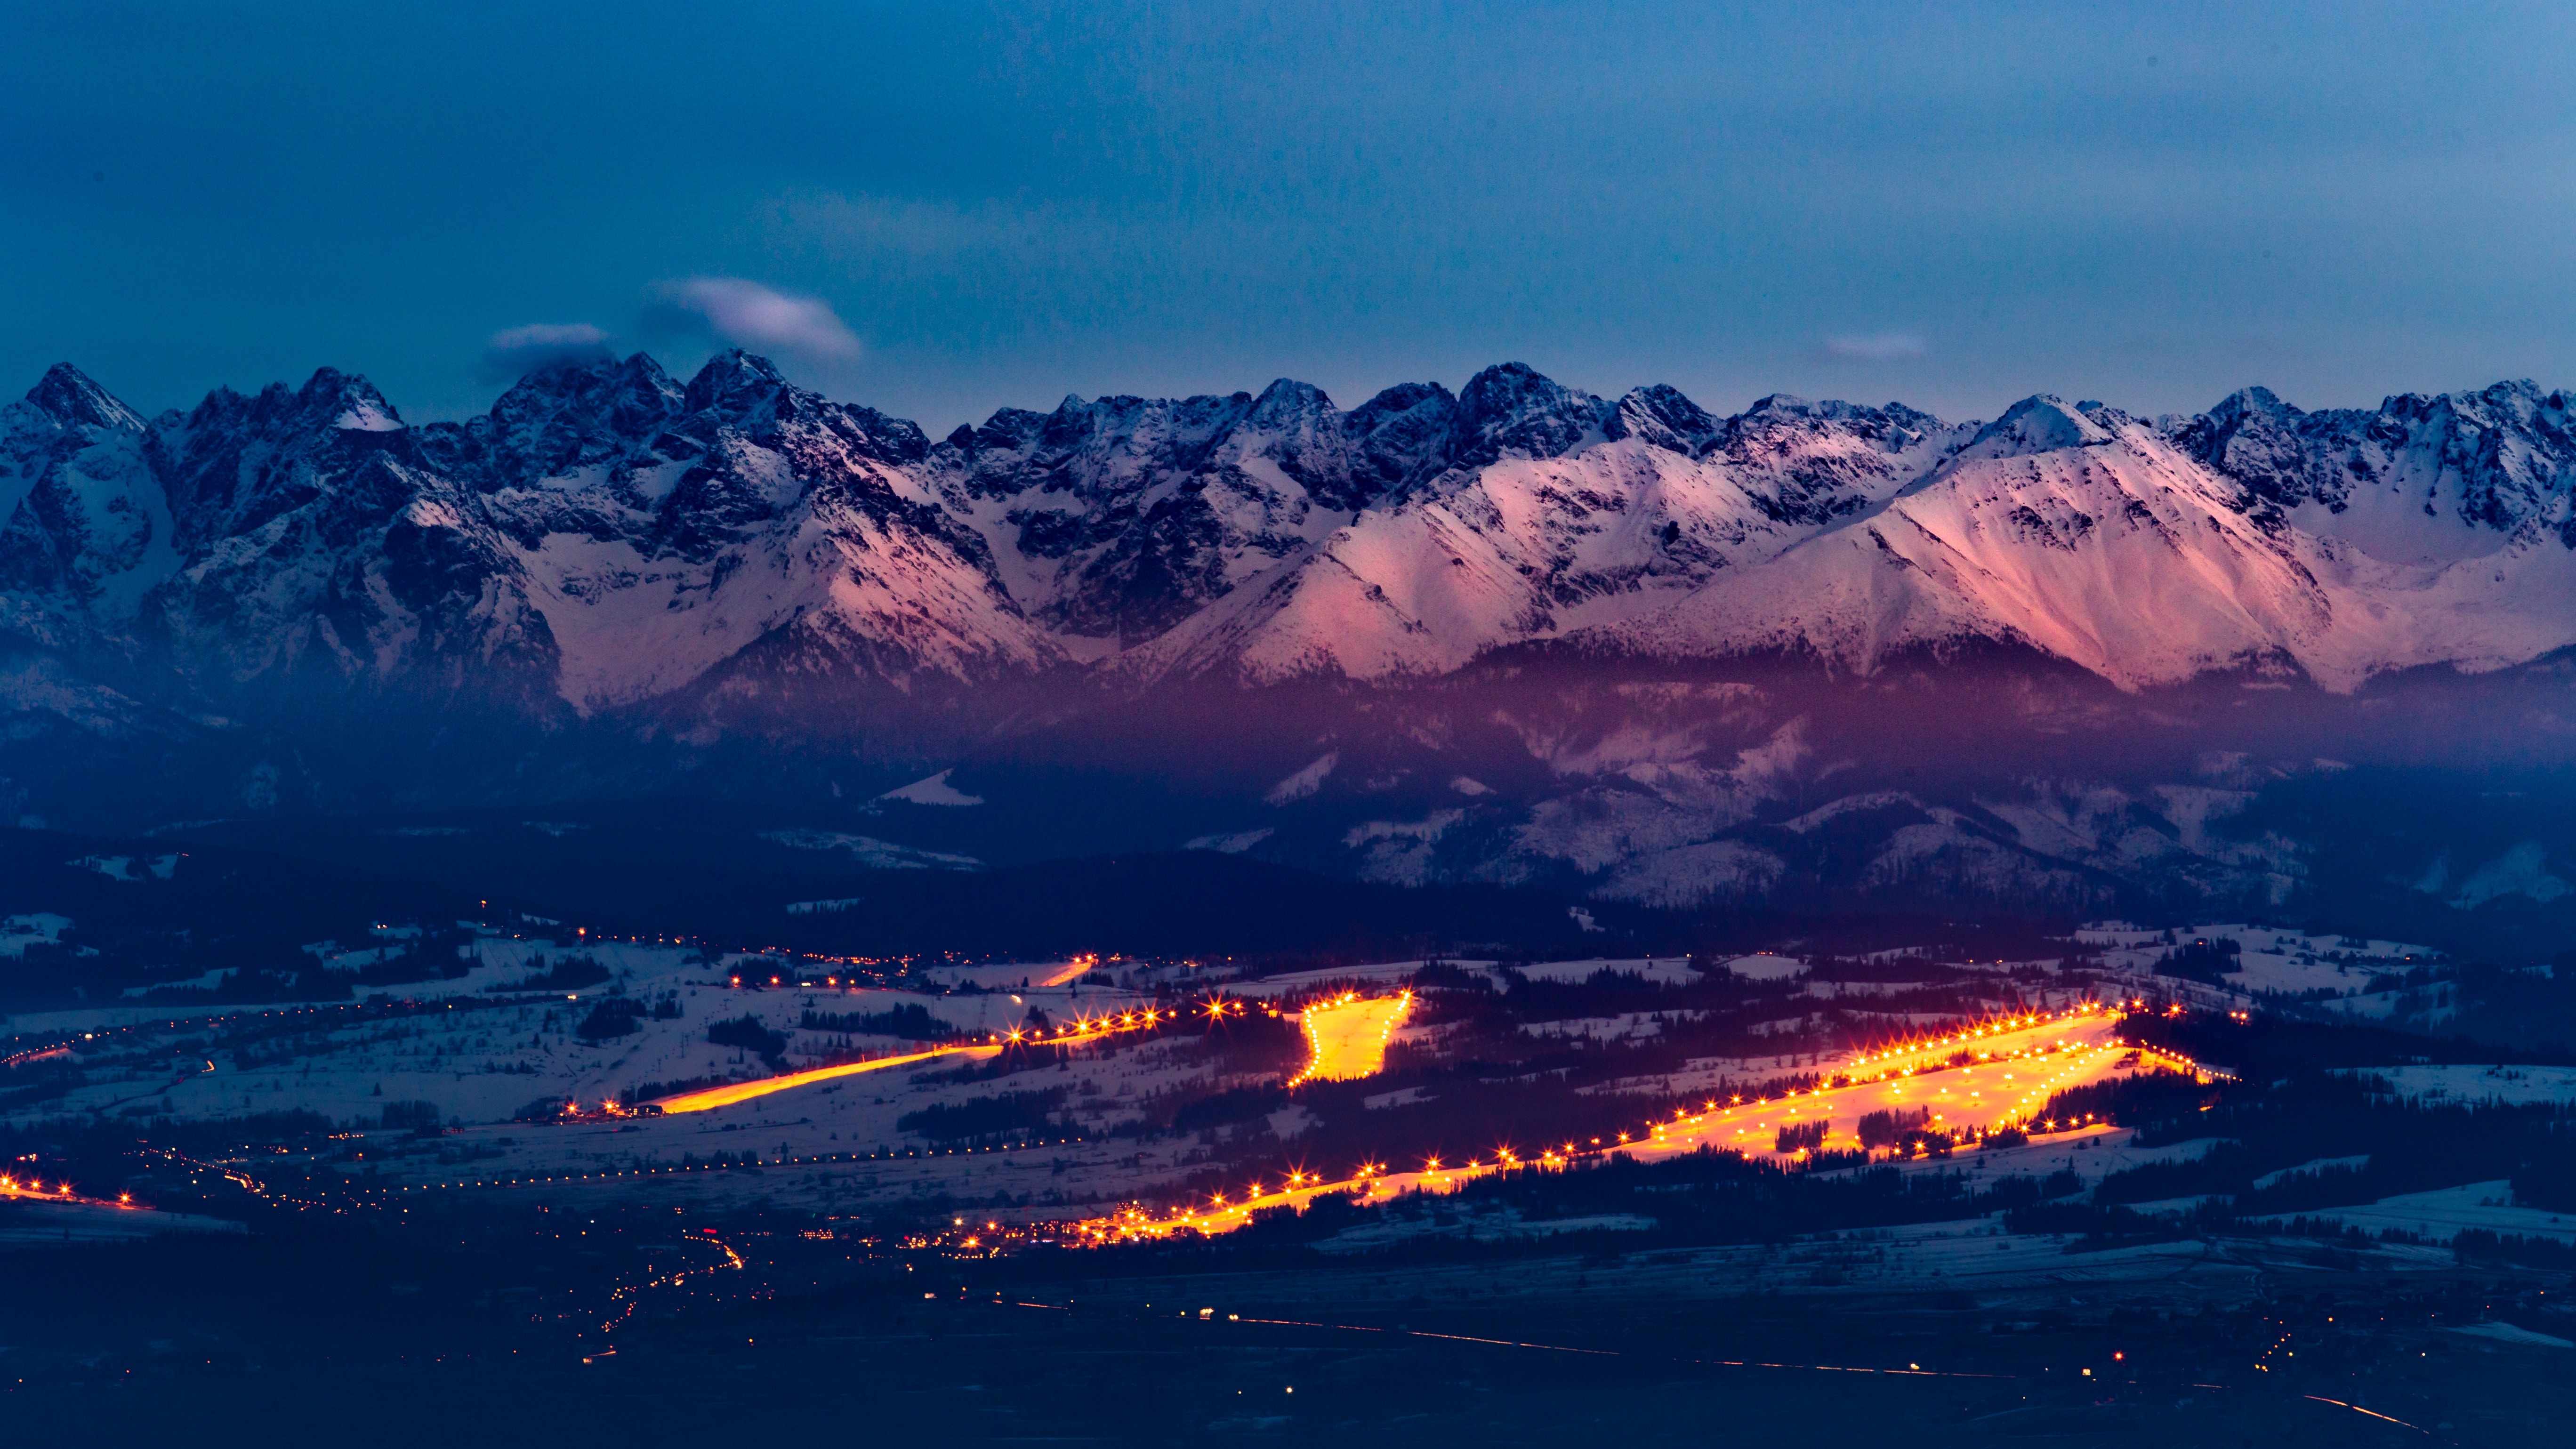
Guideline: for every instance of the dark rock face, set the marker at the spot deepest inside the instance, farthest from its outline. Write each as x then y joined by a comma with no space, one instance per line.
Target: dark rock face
2500,458
1824,460
1512,409
83,517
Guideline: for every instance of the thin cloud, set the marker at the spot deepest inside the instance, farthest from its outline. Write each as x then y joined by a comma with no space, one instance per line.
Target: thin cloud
745,314
1876,347
513,354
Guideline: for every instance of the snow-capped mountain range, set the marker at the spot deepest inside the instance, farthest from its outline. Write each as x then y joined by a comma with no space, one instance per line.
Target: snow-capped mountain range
607,537
1518,634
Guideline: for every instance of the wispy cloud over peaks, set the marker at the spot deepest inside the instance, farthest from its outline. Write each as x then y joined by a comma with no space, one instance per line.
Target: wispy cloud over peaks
1876,346
740,313
510,355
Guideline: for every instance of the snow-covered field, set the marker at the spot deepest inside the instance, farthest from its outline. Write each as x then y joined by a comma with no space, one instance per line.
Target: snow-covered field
481,1054
1668,970
2091,1153
37,928
1009,975
486,1059
2284,961
1766,966
2445,1212
1384,975
1662,970
29,1223
1627,1026
2512,1085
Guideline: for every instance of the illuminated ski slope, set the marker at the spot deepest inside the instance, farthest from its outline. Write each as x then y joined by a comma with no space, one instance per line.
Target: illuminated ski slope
2010,1070
1346,1036
733,1092
1078,1034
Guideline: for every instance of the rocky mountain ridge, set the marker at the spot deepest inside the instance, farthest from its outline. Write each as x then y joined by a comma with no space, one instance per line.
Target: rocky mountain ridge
607,536
642,570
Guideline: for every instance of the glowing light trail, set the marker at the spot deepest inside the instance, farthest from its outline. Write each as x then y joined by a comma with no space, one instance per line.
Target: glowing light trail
1085,1030
1070,972
709,1098
2358,1409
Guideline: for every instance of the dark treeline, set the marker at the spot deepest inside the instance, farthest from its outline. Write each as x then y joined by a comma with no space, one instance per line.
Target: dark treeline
2273,1044
149,913
1009,1117
749,1033
909,1021
2409,1145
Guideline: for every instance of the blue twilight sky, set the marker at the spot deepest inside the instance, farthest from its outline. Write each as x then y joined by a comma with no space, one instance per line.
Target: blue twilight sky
944,208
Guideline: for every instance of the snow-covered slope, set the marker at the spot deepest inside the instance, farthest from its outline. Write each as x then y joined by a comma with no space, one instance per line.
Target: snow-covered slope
2100,539
2445,527
1530,546
2081,533
739,527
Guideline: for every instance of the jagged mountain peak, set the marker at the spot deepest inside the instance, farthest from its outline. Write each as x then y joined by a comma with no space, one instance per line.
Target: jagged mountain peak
1513,408
2253,437
1776,419
748,394
1661,415
1404,397
351,401
2041,423
1787,405
1286,402
1295,426
2514,400
234,463
329,401
1007,430
738,382
1099,448
2253,401
574,413
1398,437
1812,462
2499,459
572,378
73,399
